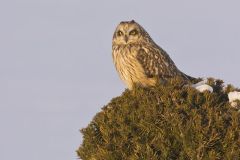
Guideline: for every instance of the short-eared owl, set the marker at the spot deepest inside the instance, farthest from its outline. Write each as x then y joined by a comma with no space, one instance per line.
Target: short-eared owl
138,59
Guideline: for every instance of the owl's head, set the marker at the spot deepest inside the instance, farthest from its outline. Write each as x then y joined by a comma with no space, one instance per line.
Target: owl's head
129,32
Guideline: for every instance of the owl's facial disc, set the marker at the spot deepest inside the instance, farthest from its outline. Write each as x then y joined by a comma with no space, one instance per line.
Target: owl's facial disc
127,33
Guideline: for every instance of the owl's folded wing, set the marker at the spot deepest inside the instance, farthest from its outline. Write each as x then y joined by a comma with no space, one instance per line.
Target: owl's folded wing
154,64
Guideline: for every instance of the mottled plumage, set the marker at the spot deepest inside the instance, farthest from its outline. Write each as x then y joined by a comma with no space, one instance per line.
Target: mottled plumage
138,59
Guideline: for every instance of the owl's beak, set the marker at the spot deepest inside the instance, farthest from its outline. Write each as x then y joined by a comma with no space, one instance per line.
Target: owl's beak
126,39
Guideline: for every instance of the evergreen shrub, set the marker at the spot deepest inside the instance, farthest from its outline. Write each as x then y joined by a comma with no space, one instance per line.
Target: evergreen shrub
167,122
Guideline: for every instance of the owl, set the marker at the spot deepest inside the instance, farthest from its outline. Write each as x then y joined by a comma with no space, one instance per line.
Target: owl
138,59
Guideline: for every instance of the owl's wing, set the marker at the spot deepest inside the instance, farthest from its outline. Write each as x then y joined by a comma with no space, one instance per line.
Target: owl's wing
156,62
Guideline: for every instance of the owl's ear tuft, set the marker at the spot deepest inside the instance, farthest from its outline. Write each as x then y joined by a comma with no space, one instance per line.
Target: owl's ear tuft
132,21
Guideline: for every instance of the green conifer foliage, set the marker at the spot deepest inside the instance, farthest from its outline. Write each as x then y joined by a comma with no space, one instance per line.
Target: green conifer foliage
167,122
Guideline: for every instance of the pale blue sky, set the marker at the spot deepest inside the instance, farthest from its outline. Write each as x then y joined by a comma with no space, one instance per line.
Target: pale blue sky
56,68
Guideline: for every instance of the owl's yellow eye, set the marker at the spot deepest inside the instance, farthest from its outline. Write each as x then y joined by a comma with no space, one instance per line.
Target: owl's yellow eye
119,33
133,32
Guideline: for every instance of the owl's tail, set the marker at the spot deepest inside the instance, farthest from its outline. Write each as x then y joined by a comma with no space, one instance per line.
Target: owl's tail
191,79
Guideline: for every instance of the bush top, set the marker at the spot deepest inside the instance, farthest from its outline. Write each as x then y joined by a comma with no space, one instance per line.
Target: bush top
169,121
